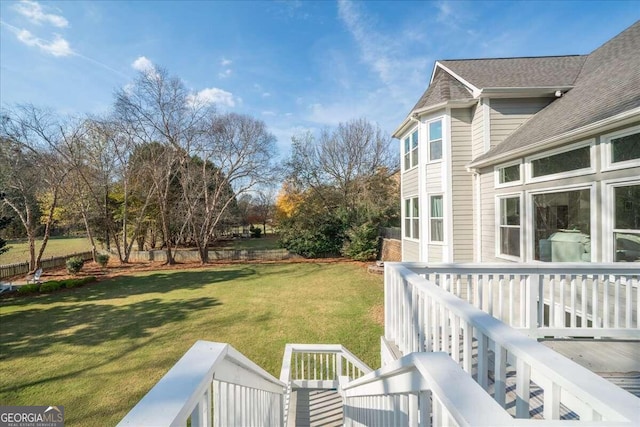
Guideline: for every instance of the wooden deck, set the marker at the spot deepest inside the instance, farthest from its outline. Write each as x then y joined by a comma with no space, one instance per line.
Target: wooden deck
316,408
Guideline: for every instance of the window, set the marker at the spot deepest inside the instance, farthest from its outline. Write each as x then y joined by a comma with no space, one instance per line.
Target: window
579,158
436,219
435,140
411,150
626,228
562,226
625,148
411,218
509,243
508,175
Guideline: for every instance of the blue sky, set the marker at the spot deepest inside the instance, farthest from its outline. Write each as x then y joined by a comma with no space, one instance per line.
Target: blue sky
297,65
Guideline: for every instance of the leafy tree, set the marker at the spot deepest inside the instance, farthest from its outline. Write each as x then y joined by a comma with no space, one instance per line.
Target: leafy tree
344,178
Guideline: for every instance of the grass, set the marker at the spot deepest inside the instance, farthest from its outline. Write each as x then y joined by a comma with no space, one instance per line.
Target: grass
56,246
97,350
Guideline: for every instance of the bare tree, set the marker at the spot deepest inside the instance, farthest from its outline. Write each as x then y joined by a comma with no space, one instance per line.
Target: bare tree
158,109
33,171
234,154
263,206
345,159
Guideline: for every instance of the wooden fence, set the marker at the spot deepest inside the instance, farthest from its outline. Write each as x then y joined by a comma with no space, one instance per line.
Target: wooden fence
19,268
190,255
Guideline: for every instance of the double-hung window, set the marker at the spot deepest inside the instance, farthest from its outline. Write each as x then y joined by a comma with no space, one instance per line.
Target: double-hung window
436,219
626,227
411,218
411,150
435,140
509,226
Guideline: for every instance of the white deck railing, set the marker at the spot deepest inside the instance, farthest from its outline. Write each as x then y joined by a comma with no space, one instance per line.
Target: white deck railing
423,317
559,299
212,384
317,366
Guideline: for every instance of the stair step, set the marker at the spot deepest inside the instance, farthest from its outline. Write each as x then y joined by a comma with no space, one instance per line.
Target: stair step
317,407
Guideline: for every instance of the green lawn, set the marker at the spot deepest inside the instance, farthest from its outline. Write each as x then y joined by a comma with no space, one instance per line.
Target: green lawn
97,350
56,246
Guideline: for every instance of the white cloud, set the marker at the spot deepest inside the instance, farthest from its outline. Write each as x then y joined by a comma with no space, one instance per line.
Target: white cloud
225,73
58,47
266,94
392,57
269,113
143,64
225,62
34,12
213,95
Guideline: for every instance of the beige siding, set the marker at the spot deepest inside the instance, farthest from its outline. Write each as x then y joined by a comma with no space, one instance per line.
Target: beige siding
435,253
410,183
488,216
508,114
477,131
434,177
410,250
461,185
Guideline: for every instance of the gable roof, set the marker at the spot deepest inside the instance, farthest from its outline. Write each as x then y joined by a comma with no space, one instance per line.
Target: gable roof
607,86
545,71
443,87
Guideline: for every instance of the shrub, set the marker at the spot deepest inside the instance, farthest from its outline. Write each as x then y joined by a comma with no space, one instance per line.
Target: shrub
256,232
74,265
102,259
29,289
324,240
361,243
50,286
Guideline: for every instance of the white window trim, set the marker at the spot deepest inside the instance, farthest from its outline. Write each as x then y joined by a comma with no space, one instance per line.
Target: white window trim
444,230
608,221
417,149
404,217
499,254
496,170
428,140
607,147
530,226
577,172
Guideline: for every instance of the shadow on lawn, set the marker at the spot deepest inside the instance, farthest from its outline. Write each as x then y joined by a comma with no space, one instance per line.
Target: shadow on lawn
28,333
125,286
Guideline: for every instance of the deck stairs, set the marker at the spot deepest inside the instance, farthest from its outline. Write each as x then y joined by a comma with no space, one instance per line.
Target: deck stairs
478,345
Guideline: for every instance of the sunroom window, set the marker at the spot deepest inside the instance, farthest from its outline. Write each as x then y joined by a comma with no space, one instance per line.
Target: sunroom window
626,230
510,226
509,174
562,226
625,148
579,158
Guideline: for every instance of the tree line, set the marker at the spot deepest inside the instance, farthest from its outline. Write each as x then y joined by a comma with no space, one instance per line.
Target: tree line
163,167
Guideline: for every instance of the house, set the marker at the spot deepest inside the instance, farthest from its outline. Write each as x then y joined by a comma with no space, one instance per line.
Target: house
526,159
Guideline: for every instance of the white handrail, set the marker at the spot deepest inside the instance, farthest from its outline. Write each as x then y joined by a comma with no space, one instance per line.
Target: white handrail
548,299
317,366
211,372
420,316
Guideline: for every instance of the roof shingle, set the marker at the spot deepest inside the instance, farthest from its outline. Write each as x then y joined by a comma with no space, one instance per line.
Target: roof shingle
608,84
444,87
547,71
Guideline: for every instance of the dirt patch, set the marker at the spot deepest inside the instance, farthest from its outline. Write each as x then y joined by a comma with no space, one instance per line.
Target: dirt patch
376,313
